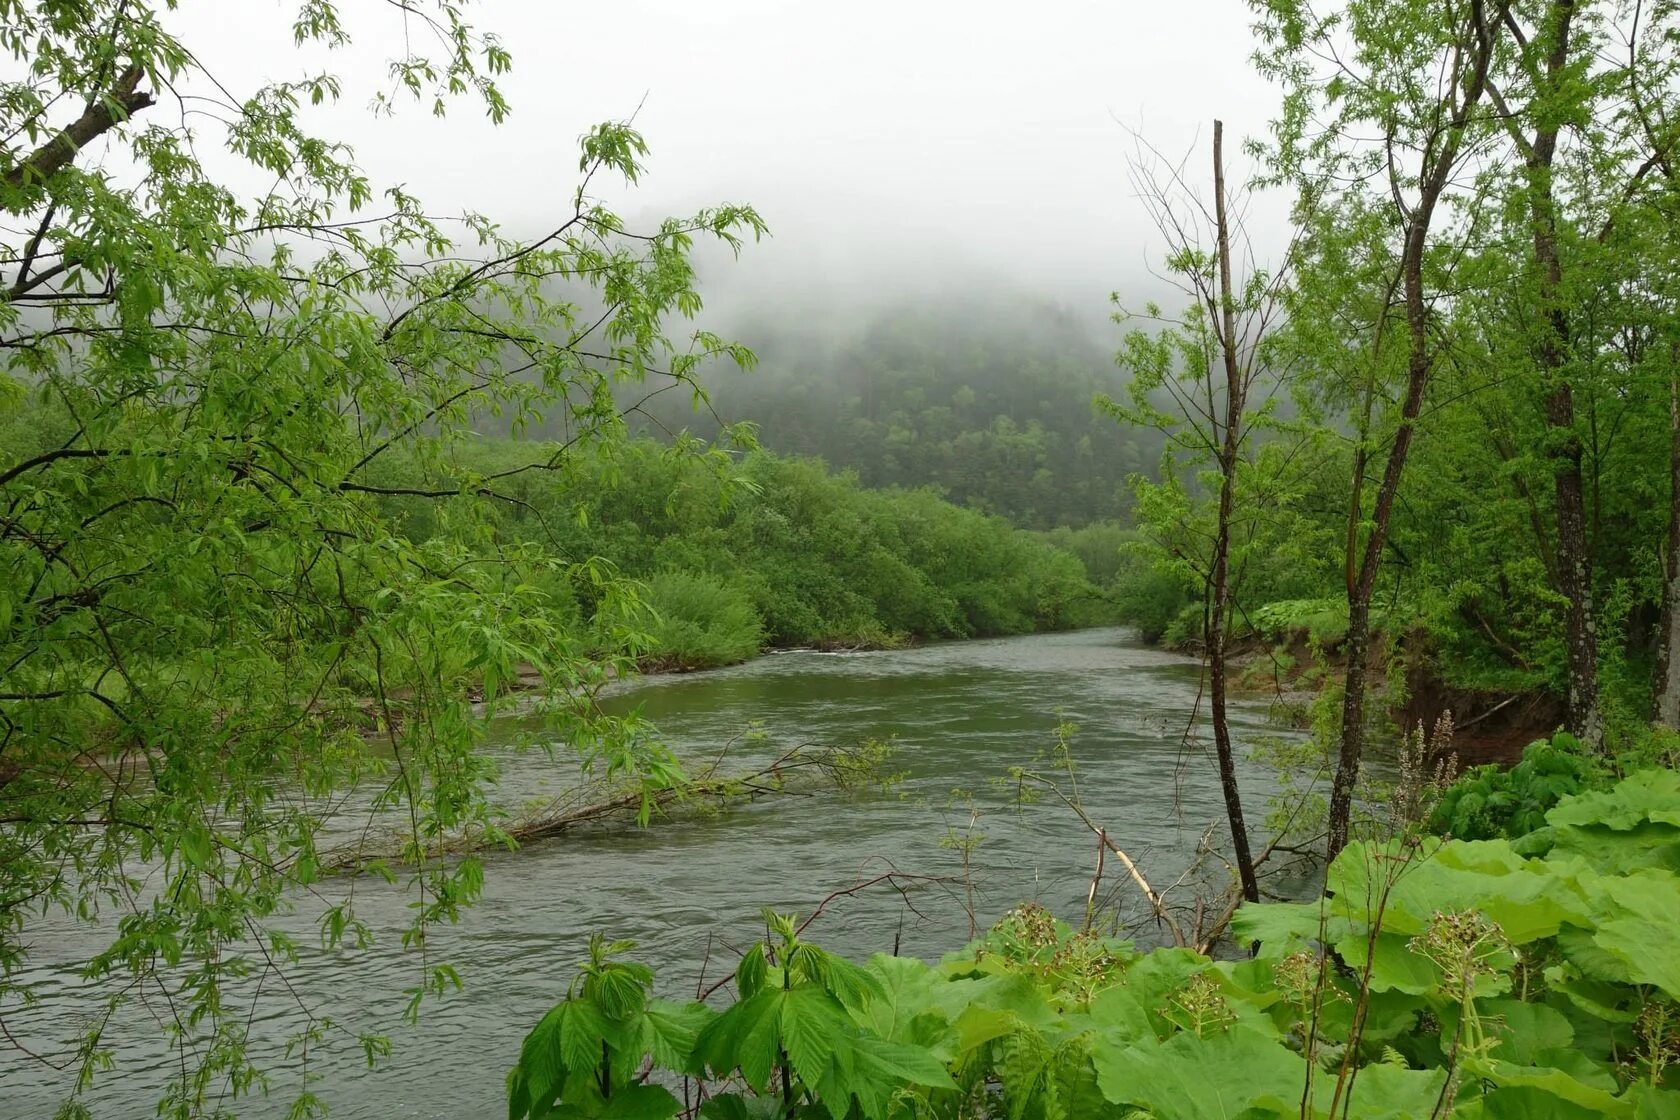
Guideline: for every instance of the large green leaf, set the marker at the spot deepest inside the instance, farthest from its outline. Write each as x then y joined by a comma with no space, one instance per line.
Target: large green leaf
669,1031
1616,850
1394,967
903,1010
1555,1082
1281,927
1647,795
1640,928
1525,1029
1191,1078
744,1037
1384,1092
1527,898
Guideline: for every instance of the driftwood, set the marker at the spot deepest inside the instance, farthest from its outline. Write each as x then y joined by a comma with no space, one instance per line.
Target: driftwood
796,772
1199,924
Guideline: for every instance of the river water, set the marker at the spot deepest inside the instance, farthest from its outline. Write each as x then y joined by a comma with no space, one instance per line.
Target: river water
689,892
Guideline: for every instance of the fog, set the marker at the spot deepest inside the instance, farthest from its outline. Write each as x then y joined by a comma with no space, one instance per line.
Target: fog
898,150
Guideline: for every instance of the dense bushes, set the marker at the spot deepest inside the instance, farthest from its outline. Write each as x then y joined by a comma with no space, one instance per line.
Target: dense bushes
700,621
775,550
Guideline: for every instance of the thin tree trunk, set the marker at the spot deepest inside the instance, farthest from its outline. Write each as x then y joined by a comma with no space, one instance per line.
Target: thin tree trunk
1218,622
1420,359
1667,689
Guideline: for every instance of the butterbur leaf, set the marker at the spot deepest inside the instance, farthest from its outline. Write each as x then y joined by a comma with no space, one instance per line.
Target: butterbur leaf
1648,795
1525,1029
1191,1078
1556,1083
905,998
1394,967
1384,1092
1280,927
1528,1104
1651,1103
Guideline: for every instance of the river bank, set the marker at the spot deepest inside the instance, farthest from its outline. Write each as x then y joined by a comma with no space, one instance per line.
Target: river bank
1294,670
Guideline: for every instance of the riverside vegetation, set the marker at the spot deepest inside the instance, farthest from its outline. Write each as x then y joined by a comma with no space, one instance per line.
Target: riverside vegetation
276,525
1533,977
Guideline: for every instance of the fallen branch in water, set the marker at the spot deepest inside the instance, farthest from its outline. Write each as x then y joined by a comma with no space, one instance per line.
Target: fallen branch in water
796,772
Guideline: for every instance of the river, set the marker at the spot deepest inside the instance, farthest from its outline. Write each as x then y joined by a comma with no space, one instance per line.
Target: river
689,891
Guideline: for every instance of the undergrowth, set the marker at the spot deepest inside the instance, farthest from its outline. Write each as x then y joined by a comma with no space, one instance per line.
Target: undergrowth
1534,978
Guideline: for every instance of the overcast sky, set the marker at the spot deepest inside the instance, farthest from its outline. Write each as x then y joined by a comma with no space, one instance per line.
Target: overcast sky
892,146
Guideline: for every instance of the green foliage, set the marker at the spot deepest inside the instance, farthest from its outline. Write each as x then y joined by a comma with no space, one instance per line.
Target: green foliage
1492,802
779,551
1435,979
226,354
700,622
1324,621
985,399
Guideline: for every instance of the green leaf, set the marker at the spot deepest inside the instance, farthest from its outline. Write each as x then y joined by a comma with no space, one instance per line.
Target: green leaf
1642,933
904,1011
1384,1092
1191,1078
750,973
641,1102
744,1037
1280,927
580,1031
1555,1082
669,1032
812,1025
1525,1029
1394,967
875,1070
1647,795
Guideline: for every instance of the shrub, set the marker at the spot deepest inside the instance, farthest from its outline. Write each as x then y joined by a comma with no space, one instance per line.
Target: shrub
700,622
1491,802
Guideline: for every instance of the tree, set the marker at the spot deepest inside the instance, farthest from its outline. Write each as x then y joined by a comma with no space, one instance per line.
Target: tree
1208,363
1415,74
208,633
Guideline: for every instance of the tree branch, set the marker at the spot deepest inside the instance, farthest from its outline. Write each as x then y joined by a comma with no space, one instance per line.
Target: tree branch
102,114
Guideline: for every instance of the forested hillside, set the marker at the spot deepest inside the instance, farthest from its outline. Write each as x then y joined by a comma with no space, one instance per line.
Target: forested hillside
986,398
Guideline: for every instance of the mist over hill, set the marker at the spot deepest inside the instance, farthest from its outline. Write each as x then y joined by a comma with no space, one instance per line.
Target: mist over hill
987,398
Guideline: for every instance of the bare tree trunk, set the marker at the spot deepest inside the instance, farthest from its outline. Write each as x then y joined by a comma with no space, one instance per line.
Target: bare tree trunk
1435,173
1219,620
1667,685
